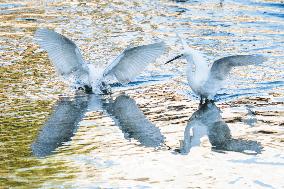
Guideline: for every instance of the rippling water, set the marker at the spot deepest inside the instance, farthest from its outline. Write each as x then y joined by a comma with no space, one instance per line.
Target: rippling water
148,133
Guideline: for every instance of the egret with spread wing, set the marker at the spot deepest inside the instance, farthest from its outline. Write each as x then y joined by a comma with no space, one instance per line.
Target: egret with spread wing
69,63
205,79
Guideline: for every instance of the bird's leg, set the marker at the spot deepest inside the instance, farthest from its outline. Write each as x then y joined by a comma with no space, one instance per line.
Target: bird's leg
88,89
106,92
207,100
201,101
105,88
109,92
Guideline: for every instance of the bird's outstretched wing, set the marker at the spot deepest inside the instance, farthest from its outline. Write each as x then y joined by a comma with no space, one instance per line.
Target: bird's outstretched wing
221,67
133,61
63,52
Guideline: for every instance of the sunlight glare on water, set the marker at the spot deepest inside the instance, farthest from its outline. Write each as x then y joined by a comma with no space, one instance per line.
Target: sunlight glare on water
147,133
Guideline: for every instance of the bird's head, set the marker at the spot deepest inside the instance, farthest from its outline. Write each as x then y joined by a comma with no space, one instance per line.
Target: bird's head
176,57
187,54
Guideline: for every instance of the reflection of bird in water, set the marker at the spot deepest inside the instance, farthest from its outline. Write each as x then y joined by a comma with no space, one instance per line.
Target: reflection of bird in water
207,121
69,63
133,122
61,125
204,79
68,112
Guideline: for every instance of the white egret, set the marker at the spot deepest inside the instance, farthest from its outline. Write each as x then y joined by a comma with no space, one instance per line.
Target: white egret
69,63
206,79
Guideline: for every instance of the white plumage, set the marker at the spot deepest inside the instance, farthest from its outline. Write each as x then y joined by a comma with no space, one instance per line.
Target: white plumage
68,61
206,79
133,60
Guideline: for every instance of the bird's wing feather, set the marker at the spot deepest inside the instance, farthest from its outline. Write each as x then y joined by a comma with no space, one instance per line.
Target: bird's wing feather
63,52
221,67
133,61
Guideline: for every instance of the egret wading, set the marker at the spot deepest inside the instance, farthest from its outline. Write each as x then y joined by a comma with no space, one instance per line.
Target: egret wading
69,63
206,79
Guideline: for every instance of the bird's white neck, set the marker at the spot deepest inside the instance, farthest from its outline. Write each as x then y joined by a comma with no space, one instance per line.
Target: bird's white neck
197,69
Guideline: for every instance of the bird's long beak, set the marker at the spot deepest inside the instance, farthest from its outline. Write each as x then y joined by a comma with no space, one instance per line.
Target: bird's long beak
179,56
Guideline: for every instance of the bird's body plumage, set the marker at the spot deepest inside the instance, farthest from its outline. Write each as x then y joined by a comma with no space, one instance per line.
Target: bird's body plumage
69,63
197,71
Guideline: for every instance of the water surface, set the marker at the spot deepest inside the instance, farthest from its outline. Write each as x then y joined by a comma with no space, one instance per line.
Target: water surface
151,132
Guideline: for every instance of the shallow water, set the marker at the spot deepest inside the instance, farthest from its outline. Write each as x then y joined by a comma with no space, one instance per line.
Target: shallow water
140,136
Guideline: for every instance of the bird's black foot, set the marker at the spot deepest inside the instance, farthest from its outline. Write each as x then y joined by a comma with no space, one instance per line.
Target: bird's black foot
205,101
105,88
201,101
88,89
208,101
106,91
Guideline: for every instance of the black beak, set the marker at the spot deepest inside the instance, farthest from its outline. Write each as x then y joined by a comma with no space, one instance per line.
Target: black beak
174,58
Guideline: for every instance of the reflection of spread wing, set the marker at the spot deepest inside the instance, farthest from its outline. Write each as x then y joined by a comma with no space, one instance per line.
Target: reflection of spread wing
133,122
63,52
132,61
60,126
219,135
242,145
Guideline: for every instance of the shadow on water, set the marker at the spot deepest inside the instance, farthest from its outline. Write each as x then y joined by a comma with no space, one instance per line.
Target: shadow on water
207,121
68,112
